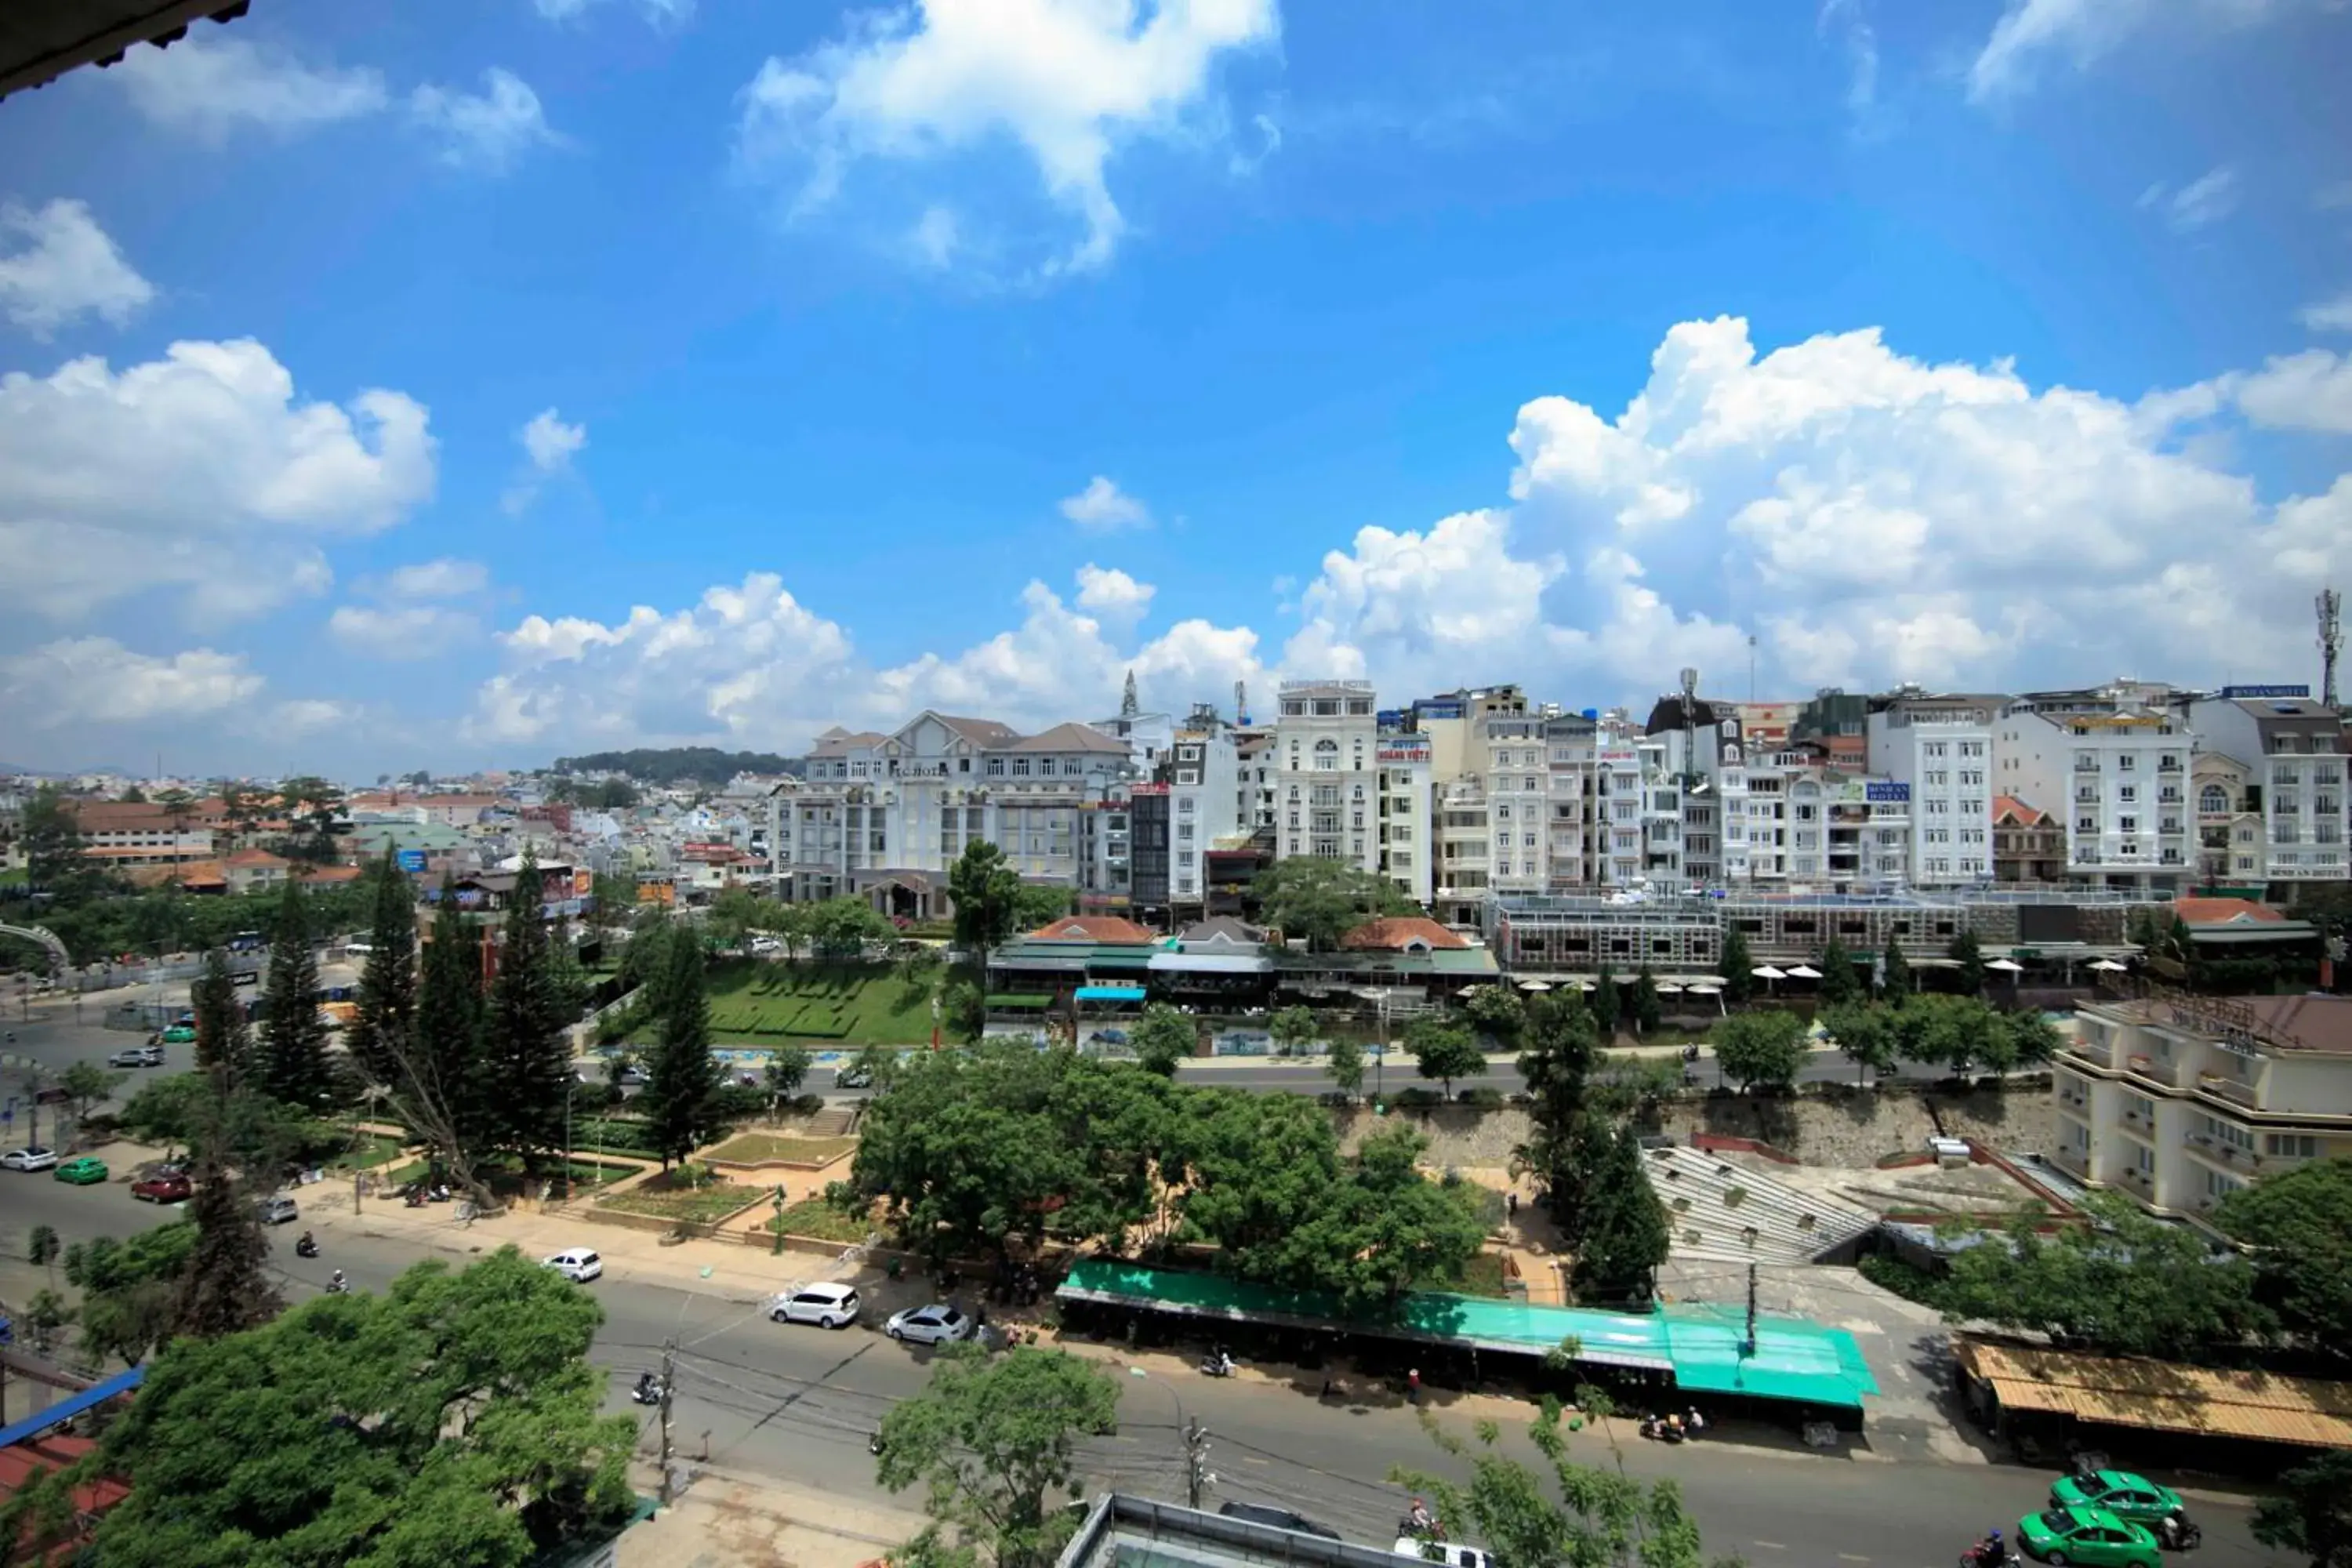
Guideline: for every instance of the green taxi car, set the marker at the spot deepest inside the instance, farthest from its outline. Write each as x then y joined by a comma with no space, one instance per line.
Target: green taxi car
2088,1535
179,1035
2121,1493
82,1172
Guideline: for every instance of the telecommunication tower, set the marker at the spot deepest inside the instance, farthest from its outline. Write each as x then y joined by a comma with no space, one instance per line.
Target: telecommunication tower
2330,605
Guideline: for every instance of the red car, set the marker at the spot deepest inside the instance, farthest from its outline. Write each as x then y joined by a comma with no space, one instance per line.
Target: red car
169,1187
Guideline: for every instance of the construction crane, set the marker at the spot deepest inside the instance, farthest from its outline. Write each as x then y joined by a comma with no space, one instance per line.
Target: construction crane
2330,605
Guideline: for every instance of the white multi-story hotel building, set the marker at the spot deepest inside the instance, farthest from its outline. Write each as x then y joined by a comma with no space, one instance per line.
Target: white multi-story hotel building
2182,1100
2292,752
1408,850
1203,774
1326,772
2114,765
1938,750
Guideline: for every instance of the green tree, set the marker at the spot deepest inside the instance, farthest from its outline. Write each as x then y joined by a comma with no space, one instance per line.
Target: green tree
2124,1283
87,1086
2300,1222
986,894
1896,982
1605,1004
1292,1028
1162,1038
527,1051
1865,1035
292,1061
615,899
991,1440
1443,1049
1255,1170
963,1011
313,808
384,1023
2033,1039
840,928
683,1079
1386,1228
1840,984
2312,1517
1323,901
1496,1010
1738,967
788,1066
455,1418
225,1288
169,1110
1597,1519
1562,1047
441,1081
1647,1008
1343,1059
127,1288
223,1044
1621,1235
1034,905
1765,1048
55,853
1968,954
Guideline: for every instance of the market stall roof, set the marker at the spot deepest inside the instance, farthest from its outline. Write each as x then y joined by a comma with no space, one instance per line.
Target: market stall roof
1212,962
1792,1358
2163,1396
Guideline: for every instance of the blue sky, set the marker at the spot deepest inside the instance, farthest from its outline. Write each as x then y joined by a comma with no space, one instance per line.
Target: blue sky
451,384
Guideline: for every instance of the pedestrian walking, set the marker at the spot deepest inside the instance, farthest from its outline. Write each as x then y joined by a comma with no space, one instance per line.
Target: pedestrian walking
1511,1204
1412,1385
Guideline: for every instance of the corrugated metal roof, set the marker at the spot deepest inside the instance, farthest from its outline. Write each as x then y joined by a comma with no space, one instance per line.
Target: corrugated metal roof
2165,1396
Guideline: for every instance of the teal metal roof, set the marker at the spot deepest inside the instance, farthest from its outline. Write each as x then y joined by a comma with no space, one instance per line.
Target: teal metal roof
1794,1358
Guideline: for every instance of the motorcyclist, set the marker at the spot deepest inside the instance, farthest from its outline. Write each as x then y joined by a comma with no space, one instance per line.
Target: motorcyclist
306,1245
1989,1552
1423,1521
338,1285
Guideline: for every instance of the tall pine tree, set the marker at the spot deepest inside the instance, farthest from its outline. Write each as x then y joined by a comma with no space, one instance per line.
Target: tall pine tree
226,1288
292,1061
223,1044
1604,1007
528,1057
1738,966
384,1027
1622,1237
1896,982
682,1084
447,1091
1840,984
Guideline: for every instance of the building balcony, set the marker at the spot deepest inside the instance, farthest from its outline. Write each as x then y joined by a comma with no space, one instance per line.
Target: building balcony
2140,1181
2222,1087
2096,1052
2134,1124
2154,1071
2073,1161
2222,1156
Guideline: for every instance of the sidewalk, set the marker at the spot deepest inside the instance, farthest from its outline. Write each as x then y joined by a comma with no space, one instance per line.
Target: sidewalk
725,1520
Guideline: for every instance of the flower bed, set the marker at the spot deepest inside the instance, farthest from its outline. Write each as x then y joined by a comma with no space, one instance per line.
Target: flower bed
664,1197
820,1221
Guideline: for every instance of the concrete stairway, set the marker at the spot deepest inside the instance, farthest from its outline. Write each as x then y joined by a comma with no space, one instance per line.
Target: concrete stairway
1717,1210
833,1122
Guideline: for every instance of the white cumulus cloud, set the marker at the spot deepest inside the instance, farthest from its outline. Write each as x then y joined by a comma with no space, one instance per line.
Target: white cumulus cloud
1102,507
2330,315
2082,32
208,86
201,472
447,578
1068,82
57,266
97,681
490,130
549,445
2307,390
401,632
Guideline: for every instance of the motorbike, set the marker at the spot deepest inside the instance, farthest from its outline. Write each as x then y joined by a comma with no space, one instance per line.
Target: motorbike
306,1247
339,1286
1984,1554
874,1444
1659,1429
2178,1532
1217,1366
648,1390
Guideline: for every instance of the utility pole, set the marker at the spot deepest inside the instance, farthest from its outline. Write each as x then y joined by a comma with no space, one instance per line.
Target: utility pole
1748,1345
668,1375
1197,1477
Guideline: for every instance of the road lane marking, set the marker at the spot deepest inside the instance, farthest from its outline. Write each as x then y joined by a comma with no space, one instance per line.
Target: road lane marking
1850,1557
1770,1545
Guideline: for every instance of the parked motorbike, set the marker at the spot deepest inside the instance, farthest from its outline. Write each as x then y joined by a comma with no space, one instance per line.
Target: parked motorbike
1218,1365
1662,1430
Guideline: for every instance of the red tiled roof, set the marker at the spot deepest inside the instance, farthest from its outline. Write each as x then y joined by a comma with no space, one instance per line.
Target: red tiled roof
1395,933
330,875
22,1463
2226,911
248,857
2008,808
1108,929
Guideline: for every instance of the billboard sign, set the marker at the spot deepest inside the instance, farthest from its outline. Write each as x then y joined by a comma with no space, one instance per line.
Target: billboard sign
409,860
1884,790
2251,693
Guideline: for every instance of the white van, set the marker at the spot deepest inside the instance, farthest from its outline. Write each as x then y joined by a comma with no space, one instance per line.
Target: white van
1452,1555
828,1306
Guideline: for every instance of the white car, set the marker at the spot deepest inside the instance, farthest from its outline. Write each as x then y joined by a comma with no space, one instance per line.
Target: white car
28,1159
827,1306
1453,1555
579,1265
935,1324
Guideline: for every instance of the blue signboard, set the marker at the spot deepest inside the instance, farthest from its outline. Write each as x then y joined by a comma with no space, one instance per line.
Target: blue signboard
410,860
1882,791
2235,693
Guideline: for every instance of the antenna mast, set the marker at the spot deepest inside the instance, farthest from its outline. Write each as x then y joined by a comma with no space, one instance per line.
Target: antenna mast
2330,605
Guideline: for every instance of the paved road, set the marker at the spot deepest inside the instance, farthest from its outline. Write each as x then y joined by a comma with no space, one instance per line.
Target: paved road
799,1401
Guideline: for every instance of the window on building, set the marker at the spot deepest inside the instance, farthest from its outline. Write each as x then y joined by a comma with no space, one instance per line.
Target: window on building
2291,1145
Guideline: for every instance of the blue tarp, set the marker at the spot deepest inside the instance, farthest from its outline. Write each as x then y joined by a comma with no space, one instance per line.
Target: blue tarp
65,1410
1111,993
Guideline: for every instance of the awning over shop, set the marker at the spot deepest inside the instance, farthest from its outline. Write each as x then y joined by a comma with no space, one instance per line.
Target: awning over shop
1212,964
1111,993
2163,1396
1792,1358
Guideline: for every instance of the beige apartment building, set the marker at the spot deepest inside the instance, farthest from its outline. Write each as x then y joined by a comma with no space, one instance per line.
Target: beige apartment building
2180,1101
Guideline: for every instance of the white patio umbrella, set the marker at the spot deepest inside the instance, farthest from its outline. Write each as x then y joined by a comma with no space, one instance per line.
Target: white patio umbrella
2006,966
1535,985
1707,990
1587,985
1804,971
1766,972
1667,987
2109,966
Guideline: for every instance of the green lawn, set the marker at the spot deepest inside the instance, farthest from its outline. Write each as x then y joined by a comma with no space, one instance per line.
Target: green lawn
815,1217
1482,1275
751,1148
692,1205
755,1003
375,1149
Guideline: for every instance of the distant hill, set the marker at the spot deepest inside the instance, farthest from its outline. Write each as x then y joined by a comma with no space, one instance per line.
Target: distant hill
679,764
